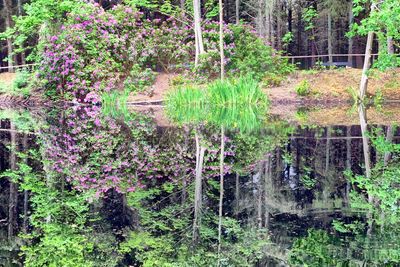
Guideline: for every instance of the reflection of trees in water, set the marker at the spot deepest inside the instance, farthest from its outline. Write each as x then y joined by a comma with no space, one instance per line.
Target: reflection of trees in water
282,191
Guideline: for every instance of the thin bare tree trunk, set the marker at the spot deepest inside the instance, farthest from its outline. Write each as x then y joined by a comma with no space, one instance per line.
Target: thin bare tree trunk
221,39
221,191
13,197
182,5
237,11
327,150
26,193
389,139
351,20
279,25
267,21
19,5
367,61
197,31
200,150
267,188
259,196
365,138
237,195
330,49
8,20
390,44
348,161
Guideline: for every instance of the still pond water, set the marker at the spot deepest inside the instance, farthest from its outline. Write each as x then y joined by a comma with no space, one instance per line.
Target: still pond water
104,188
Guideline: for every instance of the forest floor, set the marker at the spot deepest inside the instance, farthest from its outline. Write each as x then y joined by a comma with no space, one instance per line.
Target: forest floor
335,86
342,114
326,87
7,78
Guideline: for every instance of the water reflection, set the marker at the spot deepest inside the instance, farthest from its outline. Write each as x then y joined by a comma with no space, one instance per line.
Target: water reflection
103,190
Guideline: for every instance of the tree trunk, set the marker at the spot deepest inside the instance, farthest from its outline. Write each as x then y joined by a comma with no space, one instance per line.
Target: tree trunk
389,139
348,161
390,45
8,22
351,20
221,39
330,49
367,61
267,188
279,25
268,21
221,191
182,4
19,5
290,16
197,31
237,195
237,12
26,193
365,138
327,150
13,197
200,150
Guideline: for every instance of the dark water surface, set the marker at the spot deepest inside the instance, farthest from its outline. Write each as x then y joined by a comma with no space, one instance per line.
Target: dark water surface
147,193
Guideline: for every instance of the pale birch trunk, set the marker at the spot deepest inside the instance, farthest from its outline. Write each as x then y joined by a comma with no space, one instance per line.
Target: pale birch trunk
367,61
221,39
365,138
237,11
200,150
197,31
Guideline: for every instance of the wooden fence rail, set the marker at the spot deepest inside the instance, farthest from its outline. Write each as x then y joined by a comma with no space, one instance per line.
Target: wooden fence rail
333,55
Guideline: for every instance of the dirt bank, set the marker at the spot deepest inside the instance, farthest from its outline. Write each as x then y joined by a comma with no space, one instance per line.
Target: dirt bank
333,86
7,78
326,87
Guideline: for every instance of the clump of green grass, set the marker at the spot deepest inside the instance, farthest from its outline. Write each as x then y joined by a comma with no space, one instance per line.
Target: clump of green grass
243,91
232,103
189,96
303,88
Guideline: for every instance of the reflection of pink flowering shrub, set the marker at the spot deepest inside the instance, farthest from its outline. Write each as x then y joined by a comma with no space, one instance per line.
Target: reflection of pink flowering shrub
97,153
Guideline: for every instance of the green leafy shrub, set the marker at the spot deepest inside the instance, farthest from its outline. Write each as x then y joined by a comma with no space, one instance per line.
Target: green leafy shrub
21,83
303,88
253,57
272,79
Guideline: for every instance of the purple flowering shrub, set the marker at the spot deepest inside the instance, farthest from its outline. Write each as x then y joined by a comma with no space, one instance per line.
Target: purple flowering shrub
90,54
98,51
